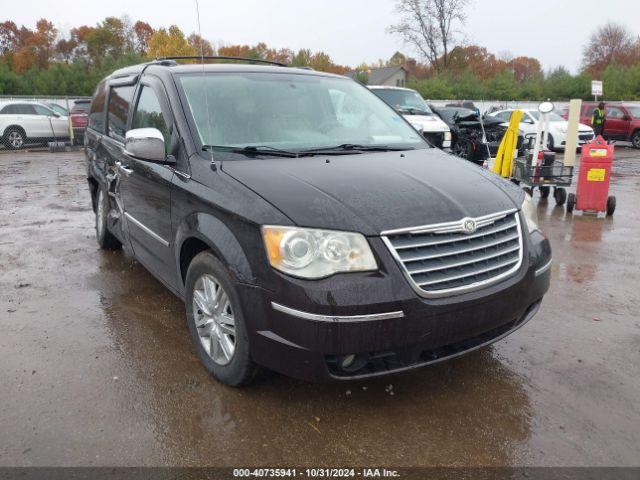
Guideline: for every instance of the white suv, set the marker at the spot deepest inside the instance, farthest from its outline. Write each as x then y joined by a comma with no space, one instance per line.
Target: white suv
412,106
23,122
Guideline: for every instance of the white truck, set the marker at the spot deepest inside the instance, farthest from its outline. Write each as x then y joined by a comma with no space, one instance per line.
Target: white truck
412,106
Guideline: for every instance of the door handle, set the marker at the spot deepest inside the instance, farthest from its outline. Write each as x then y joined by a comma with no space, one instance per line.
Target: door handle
123,169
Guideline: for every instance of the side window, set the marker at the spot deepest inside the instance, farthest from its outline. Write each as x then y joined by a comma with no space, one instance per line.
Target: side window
613,112
8,110
148,114
25,109
504,116
526,119
118,110
40,110
96,113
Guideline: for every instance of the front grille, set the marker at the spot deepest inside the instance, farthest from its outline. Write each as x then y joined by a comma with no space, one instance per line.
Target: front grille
444,259
435,138
586,137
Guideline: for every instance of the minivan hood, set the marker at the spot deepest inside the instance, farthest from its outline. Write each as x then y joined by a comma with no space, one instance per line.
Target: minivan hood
374,192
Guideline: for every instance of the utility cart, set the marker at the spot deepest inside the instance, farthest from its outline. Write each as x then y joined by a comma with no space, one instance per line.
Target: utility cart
545,174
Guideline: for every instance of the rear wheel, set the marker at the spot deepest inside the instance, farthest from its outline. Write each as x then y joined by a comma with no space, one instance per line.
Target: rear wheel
635,139
552,143
105,238
216,322
611,205
571,202
15,138
560,194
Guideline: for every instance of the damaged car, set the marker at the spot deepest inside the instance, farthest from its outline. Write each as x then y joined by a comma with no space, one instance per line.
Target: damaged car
473,137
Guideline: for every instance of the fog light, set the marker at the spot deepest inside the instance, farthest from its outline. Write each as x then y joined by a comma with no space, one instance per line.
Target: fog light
347,361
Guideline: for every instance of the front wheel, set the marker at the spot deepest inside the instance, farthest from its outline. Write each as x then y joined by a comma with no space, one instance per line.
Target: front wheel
15,138
216,322
635,139
544,192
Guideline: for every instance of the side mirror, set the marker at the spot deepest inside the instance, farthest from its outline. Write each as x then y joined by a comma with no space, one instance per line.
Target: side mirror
146,144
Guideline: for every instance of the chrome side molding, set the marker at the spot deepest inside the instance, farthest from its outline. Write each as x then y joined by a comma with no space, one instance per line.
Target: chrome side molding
336,318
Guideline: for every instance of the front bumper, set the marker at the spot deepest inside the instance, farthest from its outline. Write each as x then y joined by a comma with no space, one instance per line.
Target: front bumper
308,329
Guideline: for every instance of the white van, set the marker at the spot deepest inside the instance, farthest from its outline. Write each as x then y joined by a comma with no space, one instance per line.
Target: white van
412,106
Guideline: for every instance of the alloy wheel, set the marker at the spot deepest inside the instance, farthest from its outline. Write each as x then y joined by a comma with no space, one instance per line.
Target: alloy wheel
15,139
214,319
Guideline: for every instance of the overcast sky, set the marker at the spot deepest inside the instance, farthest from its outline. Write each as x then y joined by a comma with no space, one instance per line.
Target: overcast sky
353,31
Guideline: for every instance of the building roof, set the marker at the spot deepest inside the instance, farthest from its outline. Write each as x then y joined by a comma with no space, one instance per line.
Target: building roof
380,75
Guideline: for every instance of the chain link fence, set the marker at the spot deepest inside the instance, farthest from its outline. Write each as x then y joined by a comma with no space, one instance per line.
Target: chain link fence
41,123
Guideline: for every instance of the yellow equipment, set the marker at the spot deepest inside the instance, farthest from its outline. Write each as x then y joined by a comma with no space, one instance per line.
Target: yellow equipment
504,159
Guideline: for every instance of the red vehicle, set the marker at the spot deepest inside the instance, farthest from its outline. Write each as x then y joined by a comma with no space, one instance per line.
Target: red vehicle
79,117
622,120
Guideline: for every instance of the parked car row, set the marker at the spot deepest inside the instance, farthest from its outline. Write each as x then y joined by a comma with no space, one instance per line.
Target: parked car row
558,127
28,122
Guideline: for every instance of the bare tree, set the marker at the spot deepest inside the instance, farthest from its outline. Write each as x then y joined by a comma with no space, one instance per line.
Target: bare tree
610,43
429,26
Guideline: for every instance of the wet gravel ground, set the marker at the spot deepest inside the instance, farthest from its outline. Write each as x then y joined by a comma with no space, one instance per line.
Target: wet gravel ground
96,367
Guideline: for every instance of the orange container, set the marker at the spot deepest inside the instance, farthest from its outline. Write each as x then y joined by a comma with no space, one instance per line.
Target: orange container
593,180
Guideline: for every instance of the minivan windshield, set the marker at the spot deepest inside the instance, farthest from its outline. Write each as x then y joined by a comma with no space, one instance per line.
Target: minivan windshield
292,111
405,101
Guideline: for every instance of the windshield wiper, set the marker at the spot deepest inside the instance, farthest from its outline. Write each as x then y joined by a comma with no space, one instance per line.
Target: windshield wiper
252,150
352,148
414,111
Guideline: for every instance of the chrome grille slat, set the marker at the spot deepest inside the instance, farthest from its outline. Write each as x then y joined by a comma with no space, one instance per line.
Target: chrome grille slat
442,259
466,262
442,241
448,253
468,274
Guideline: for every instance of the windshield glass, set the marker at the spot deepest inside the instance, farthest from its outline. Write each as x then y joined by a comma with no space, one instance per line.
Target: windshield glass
406,101
634,111
289,111
553,116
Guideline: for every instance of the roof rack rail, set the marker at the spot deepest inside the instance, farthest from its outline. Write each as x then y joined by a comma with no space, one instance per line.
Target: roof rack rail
222,57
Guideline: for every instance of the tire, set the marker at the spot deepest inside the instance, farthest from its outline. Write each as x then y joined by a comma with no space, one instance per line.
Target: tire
15,138
560,194
544,192
105,238
216,322
552,143
571,202
611,206
635,139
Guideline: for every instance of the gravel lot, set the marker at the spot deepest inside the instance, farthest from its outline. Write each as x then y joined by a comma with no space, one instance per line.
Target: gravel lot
96,367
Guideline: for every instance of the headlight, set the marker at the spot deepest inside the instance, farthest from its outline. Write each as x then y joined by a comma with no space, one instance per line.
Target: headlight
530,213
447,135
311,253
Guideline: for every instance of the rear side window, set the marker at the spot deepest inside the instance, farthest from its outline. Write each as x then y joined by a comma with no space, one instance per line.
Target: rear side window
96,115
24,109
8,110
119,104
148,114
